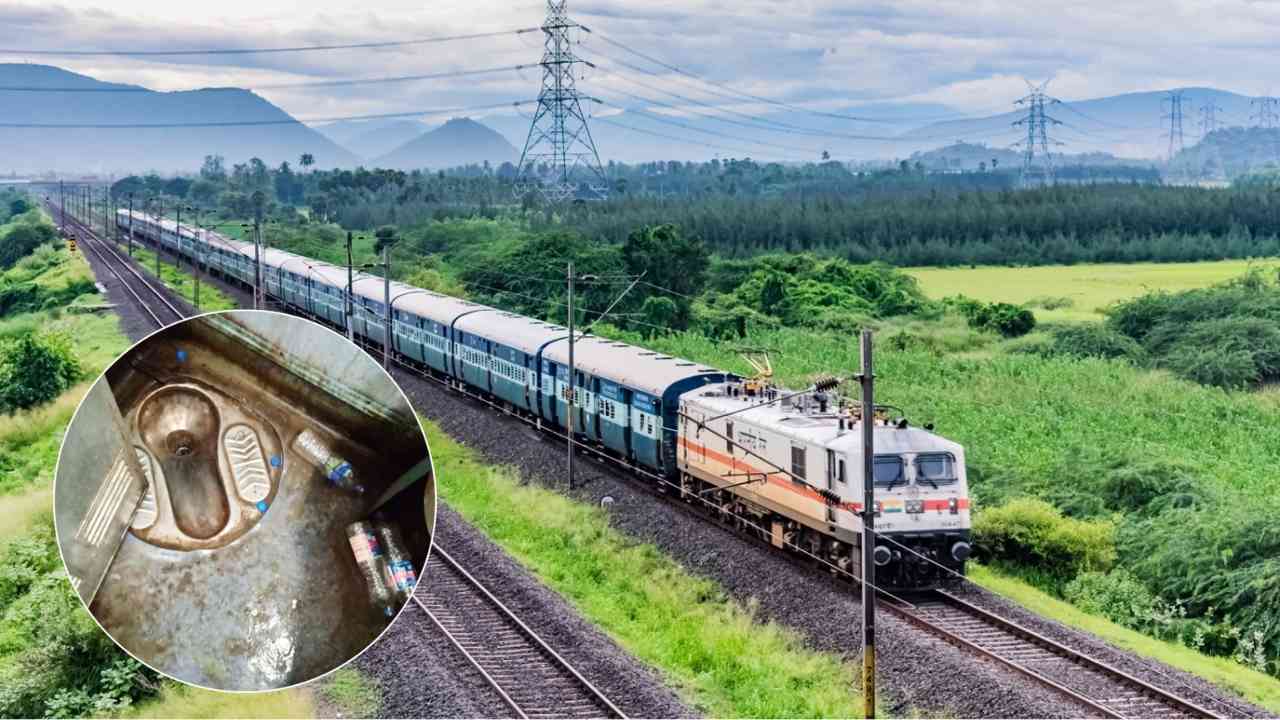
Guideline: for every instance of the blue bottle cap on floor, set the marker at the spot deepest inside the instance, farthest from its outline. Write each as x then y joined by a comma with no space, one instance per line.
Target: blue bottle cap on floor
262,506
275,461
182,356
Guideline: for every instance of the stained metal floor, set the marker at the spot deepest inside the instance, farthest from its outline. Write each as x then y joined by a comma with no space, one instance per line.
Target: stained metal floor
266,594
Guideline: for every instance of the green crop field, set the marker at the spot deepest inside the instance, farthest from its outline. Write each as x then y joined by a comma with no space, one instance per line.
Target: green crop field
1089,288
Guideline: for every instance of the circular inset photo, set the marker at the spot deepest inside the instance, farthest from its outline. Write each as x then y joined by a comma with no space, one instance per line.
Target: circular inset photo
244,501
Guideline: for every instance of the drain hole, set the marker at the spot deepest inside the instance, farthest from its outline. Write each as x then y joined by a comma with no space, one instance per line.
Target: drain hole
181,443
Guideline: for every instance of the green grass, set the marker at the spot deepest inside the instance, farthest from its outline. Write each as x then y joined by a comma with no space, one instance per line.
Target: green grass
182,281
1089,287
1028,415
1262,690
719,656
181,701
352,693
21,512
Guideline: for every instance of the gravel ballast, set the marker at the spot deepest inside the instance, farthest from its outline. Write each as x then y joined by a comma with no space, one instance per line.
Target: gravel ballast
919,674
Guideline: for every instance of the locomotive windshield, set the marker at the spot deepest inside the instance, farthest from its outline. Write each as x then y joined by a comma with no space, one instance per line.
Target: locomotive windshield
935,469
888,471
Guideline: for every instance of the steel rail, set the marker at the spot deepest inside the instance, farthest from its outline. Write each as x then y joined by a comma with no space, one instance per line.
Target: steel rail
107,254
903,609
536,645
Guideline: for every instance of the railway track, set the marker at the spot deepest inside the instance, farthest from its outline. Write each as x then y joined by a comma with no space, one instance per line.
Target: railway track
536,682
164,312
1105,689
530,677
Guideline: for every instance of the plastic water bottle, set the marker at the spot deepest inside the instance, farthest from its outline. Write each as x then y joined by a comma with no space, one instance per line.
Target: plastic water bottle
371,558
336,470
401,575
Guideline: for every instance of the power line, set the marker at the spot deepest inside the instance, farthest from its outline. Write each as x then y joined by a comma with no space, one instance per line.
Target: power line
264,51
725,136
258,123
275,86
1266,116
737,151
758,98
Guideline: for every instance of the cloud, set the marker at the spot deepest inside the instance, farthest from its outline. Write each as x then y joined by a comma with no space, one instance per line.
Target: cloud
962,56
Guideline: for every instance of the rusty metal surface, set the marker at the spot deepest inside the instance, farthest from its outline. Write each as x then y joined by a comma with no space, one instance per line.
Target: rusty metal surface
237,575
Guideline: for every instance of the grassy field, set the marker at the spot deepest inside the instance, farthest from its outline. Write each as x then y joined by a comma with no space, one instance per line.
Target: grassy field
1256,687
720,657
1089,287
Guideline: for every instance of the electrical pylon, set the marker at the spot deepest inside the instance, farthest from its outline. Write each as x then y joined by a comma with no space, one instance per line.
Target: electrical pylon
1209,118
1265,116
560,160
1177,140
1037,123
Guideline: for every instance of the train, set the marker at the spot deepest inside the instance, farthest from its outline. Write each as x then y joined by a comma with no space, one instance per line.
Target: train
785,466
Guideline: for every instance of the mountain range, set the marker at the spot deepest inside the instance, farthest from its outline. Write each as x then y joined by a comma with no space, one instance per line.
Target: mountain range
42,95
1128,125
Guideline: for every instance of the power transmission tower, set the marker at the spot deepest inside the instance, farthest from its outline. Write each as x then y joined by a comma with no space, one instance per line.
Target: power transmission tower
1175,115
559,155
1266,115
1209,118
1037,122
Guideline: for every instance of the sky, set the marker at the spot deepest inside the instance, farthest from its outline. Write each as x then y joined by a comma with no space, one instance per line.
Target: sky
906,58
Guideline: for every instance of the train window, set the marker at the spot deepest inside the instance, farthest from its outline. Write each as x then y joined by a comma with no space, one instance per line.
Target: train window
797,461
840,473
888,471
936,469
728,436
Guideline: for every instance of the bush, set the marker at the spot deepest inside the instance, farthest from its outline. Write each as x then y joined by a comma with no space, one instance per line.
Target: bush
54,659
34,369
1033,534
1095,340
1232,353
1116,595
21,240
1009,321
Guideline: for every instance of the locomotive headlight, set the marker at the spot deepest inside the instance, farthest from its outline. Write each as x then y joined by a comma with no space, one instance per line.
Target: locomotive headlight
882,556
954,506
960,551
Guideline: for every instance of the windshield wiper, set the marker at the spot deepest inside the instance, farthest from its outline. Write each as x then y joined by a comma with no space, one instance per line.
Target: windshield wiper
894,482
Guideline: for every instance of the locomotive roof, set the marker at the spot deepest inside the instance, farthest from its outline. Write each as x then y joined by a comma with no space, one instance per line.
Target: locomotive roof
635,367
816,428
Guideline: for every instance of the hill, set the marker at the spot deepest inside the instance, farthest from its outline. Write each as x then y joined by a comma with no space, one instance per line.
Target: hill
371,139
461,141
1127,125
1230,153
87,101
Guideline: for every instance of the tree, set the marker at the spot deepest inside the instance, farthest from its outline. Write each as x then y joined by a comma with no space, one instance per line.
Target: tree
669,259
21,241
384,238
214,169
306,160
658,312
19,206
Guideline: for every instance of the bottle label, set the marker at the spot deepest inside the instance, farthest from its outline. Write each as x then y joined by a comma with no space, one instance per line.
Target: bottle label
365,547
338,471
402,576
